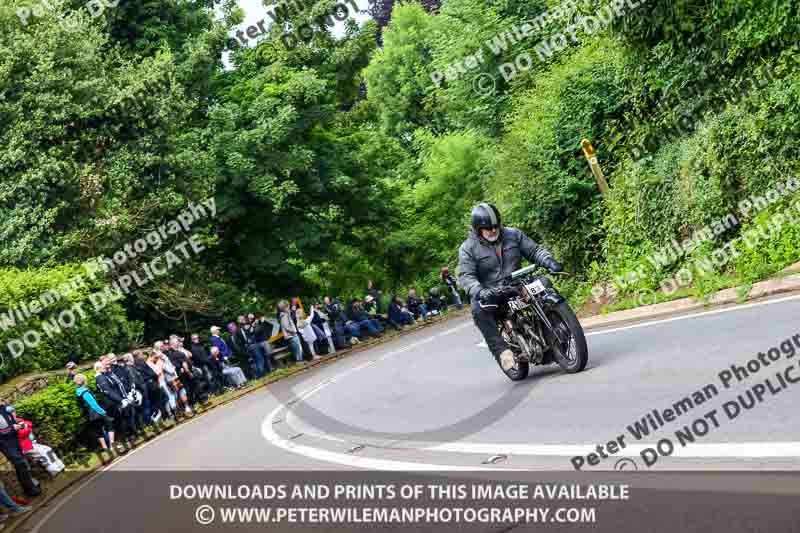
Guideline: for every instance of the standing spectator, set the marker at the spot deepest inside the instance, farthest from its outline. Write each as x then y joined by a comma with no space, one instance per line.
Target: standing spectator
181,360
10,448
216,340
322,326
373,291
295,306
167,371
239,343
97,415
11,505
167,404
175,386
41,454
290,330
415,305
113,390
71,371
452,287
254,348
398,312
262,331
306,329
152,398
141,404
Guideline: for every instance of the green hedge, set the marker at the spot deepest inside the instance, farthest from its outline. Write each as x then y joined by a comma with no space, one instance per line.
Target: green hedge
102,328
57,417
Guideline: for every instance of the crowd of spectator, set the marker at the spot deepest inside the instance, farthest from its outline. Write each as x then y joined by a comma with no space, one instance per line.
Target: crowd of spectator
139,390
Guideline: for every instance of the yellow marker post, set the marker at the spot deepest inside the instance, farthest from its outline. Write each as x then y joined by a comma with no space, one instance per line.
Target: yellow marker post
591,157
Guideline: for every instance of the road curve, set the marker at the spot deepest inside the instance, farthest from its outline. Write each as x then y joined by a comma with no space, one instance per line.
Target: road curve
435,400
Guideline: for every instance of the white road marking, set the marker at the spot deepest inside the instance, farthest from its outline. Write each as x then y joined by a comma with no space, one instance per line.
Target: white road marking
719,449
693,315
707,450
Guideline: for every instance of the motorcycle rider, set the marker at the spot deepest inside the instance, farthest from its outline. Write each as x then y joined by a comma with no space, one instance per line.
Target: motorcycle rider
490,253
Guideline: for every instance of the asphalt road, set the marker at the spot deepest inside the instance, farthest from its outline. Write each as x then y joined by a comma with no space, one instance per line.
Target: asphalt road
436,400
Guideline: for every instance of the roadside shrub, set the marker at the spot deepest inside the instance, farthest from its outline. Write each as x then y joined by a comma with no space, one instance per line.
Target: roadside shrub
97,328
57,417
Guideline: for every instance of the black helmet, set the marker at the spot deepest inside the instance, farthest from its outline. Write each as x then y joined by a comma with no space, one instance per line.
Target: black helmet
485,216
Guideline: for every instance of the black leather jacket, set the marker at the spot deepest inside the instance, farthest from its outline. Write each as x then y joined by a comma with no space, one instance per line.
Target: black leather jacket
482,264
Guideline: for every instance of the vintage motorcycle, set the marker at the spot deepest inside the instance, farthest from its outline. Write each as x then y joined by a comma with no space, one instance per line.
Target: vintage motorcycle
539,325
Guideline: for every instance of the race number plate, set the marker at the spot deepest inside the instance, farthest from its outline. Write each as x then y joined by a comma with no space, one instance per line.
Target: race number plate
535,287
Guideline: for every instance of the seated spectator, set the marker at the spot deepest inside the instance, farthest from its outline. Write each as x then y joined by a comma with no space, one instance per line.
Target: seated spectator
209,366
10,448
240,342
362,320
435,303
215,340
415,305
72,369
233,375
338,319
375,294
452,286
289,330
35,451
371,308
399,314
116,397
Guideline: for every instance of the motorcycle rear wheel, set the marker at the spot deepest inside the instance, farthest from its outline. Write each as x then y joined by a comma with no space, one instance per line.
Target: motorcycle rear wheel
573,354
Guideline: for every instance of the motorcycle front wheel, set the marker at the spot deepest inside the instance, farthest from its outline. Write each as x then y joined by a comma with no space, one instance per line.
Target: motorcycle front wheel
572,354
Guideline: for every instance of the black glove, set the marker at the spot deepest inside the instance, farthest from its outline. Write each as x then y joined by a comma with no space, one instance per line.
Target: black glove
552,265
488,296
494,295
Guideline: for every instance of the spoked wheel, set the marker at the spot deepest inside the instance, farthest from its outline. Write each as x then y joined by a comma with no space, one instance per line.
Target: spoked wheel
571,353
520,370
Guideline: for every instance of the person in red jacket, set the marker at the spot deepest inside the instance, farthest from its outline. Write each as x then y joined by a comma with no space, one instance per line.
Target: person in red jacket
34,451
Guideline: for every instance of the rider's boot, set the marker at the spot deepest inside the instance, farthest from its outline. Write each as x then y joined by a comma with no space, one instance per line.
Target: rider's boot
507,361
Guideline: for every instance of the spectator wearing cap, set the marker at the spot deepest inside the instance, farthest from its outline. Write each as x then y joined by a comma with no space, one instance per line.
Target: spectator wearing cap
215,340
71,371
